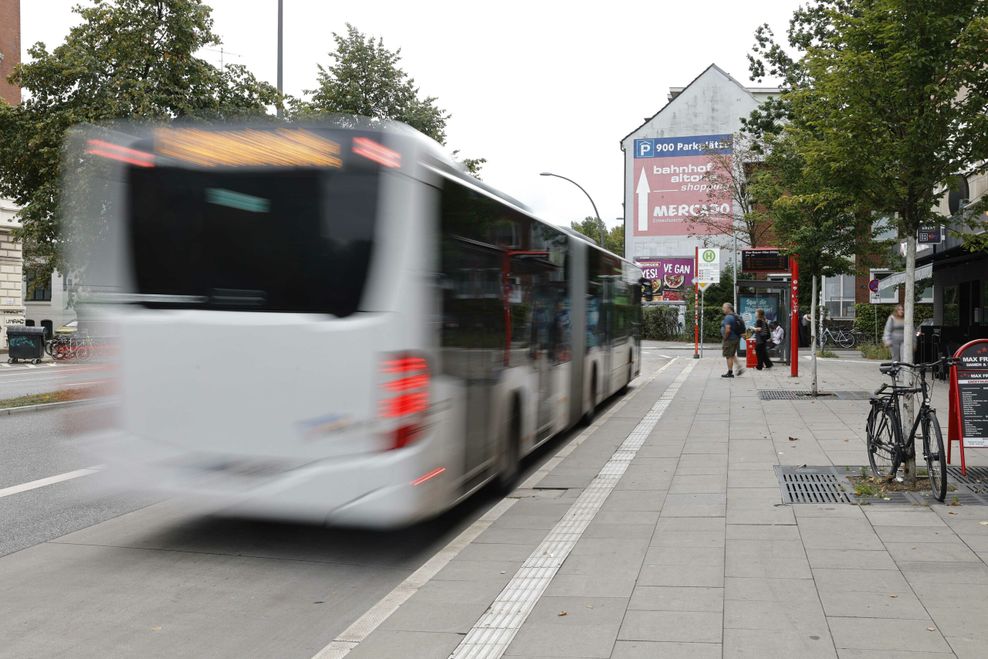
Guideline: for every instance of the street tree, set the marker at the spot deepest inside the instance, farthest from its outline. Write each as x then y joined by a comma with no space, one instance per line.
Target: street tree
126,59
594,227
890,98
365,78
814,222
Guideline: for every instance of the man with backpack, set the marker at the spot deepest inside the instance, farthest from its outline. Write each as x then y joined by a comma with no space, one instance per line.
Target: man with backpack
731,328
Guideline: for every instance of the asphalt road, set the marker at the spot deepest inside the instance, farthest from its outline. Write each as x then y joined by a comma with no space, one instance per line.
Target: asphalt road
86,572
23,379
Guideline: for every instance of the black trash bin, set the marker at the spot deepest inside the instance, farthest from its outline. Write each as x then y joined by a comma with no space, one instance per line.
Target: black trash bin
27,343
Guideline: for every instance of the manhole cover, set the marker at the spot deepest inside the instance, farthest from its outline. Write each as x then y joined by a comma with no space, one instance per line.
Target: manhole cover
810,485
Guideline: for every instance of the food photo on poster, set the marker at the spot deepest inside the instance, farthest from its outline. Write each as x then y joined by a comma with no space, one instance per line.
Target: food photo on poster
671,277
673,186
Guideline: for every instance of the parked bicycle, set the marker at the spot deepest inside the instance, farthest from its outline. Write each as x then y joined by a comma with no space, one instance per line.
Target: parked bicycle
845,338
888,445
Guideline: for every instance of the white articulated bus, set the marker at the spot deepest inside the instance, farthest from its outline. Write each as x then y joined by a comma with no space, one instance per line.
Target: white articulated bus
334,323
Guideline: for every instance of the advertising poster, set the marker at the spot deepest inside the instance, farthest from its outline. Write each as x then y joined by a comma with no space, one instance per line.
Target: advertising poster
671,184
747,304
672,277
972,393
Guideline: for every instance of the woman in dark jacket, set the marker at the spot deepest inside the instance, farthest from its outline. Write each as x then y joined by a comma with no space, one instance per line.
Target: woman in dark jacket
762,334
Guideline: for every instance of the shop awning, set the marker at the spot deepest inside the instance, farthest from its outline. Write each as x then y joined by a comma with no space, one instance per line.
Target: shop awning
922,272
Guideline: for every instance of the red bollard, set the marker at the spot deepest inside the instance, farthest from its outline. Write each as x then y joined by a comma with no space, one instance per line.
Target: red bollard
749,351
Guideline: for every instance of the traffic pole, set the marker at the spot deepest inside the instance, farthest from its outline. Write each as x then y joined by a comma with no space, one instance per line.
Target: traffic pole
701,319
696,304
794,317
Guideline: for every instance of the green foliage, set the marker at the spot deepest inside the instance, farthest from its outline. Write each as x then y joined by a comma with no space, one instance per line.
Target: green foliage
593,228
713,299
876,351
127,59
365,79
660,323
870,318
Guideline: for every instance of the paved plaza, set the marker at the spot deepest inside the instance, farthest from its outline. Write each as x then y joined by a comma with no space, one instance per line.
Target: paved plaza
660,531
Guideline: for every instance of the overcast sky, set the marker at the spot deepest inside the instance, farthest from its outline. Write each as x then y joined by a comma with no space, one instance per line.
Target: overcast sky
532,86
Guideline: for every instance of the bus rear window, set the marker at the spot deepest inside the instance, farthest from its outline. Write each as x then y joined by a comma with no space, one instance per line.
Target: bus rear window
278,240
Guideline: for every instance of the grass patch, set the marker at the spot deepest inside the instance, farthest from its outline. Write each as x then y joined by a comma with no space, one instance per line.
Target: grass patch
867,486
876,351
825,353
76,393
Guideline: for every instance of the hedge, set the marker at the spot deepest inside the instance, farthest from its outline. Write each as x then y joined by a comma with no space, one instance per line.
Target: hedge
867,315
660,323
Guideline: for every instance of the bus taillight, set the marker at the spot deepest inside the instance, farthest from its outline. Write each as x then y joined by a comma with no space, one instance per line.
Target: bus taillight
406,396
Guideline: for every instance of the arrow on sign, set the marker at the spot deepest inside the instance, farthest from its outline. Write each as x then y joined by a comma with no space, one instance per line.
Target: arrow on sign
642,191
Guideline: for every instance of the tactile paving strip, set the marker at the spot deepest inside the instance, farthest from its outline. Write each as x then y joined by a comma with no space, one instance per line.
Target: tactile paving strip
492,634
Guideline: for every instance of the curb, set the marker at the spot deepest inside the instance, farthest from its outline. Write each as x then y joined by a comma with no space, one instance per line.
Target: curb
46,406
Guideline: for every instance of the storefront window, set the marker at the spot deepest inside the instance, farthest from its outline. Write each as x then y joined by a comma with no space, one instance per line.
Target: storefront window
838,295
951,306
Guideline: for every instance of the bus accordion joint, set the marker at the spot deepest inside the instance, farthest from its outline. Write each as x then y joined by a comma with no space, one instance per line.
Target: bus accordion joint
406,391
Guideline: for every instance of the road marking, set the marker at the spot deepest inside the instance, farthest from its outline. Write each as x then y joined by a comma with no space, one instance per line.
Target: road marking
353,635
492,634
367,623
574,443
51,480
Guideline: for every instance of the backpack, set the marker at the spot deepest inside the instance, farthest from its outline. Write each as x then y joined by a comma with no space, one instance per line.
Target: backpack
739,327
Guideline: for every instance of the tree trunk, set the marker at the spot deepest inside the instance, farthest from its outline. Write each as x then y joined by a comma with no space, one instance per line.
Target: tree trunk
908,337
813,346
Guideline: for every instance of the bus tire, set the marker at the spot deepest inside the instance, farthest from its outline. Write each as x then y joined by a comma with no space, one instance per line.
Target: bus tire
591,412
510,469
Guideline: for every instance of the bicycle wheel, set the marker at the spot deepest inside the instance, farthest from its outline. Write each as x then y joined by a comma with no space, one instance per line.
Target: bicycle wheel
845,340
883,452
936,459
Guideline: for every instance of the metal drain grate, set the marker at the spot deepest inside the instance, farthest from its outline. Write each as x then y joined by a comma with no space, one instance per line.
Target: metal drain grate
975,475
810,485
795,394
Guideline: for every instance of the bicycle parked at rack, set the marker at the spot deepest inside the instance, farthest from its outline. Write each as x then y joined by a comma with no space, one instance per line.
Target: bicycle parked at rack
845,338
888,446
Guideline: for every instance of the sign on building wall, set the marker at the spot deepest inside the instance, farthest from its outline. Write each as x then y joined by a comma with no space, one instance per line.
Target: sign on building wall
671,277
672,186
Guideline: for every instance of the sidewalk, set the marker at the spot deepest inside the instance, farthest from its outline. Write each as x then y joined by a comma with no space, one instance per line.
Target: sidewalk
674,541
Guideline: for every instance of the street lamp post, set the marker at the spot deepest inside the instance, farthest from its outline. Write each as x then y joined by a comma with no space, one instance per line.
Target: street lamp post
596,214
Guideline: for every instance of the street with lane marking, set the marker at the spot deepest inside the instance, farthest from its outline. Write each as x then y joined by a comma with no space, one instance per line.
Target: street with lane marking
96,572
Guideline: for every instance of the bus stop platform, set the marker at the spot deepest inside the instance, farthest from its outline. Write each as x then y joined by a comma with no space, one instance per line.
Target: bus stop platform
662,530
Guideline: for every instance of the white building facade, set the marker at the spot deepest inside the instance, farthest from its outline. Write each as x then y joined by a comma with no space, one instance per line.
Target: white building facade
667,161
11,271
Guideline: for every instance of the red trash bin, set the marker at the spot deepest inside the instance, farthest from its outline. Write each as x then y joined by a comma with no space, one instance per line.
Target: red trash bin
749,349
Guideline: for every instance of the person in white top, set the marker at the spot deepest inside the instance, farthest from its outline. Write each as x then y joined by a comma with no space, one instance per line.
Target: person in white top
778,334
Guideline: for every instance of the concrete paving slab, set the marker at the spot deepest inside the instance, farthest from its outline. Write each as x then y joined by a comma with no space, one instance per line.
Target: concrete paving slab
671,598
652,649
885,634
570,627
752,643
677,626
850,559
900,605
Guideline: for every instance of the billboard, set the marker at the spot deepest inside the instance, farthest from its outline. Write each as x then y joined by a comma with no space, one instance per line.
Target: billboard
671,184
672,277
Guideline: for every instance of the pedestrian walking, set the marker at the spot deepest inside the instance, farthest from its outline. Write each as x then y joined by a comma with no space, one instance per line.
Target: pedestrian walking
762,340
731,329
895,332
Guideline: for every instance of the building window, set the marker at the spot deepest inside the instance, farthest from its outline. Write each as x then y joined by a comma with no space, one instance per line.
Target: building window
951,306
37,286
838,296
